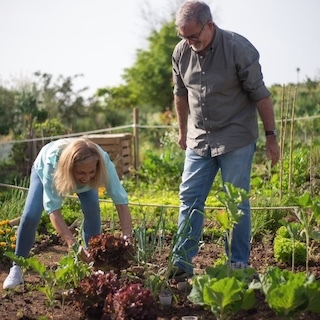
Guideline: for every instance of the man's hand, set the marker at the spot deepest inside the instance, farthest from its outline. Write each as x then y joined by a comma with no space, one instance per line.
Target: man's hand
272,150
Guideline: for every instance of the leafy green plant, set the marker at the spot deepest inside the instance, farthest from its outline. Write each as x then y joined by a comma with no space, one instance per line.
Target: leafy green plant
69,271
230,198
289,294
292,230
289,252
12,202
223,291
308,214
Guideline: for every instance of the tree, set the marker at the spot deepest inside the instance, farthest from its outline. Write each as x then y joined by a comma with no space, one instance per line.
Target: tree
60,100
150,78
7,106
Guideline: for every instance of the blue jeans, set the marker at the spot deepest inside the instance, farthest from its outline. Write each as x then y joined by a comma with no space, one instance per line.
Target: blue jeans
197,179
34,207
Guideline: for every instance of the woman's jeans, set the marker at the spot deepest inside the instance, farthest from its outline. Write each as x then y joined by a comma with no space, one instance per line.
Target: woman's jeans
197,179
34,207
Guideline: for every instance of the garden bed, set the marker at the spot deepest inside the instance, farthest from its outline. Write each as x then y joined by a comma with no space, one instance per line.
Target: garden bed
26,302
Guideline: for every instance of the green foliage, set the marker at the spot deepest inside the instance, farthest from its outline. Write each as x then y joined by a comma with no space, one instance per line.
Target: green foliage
149,79
289,294
224,293
12,201
283,232
7,108
24,153
70,271
163,168
231,198
283,251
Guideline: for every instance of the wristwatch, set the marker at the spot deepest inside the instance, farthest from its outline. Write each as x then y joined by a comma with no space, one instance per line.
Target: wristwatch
271,132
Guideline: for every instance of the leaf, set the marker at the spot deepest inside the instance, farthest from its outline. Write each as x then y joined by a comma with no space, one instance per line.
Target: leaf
224,293
223,219
313,294
36,265
305,200
198,284
287,299
248,300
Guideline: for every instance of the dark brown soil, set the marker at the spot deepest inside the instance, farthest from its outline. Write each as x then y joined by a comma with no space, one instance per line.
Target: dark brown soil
26,302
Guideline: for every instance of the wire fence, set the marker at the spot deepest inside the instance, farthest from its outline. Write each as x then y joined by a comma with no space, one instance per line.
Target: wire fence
159,205
131,126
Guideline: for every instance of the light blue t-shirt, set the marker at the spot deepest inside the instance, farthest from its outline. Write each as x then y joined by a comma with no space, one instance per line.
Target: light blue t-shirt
46,163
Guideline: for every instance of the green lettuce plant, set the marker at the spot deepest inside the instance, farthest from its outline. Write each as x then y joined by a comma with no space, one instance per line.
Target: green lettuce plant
289,294
224,291
285,253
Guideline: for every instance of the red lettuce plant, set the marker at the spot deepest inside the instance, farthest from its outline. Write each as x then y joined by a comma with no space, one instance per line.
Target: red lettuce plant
109,252
91,293
131,302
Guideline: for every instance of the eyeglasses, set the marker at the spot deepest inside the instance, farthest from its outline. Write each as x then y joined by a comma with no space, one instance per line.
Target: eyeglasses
194,37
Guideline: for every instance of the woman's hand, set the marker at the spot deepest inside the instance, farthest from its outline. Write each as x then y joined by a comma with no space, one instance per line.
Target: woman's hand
84,255
81,252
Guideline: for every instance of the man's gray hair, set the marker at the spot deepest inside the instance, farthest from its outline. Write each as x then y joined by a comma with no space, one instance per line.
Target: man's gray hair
192,10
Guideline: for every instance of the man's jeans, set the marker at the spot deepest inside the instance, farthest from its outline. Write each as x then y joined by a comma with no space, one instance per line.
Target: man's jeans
33,209
197,179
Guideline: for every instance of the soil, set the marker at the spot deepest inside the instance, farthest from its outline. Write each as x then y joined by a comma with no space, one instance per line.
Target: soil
25,302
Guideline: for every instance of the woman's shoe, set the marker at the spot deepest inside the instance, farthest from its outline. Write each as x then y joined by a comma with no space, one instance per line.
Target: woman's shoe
14,278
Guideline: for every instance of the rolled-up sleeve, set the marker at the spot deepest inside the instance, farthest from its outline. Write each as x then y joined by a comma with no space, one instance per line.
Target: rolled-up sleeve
249,71
179,88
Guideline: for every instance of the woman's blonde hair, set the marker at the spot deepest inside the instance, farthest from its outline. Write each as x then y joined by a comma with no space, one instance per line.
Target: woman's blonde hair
78,151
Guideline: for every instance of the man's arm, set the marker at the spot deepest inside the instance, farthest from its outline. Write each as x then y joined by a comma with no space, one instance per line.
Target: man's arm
265,109
182,110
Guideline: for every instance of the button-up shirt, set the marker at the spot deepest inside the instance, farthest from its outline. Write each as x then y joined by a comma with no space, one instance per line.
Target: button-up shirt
222,87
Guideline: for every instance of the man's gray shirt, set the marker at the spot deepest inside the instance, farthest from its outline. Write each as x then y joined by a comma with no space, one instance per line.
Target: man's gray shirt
223,88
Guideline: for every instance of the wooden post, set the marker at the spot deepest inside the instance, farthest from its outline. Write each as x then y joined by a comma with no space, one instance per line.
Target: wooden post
136,138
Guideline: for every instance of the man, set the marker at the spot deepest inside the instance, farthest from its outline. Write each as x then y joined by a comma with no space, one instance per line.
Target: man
218,88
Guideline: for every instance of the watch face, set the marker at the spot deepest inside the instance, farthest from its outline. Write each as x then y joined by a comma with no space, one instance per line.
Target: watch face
271,133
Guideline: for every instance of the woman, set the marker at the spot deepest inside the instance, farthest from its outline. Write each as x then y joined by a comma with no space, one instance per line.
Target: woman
72,165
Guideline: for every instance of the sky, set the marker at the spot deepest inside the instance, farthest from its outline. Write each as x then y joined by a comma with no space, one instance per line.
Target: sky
100,38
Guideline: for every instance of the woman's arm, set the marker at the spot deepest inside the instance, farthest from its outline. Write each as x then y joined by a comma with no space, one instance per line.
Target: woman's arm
125,219
61,227
63,230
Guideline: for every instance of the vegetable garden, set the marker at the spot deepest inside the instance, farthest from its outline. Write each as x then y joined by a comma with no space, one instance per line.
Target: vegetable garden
125,279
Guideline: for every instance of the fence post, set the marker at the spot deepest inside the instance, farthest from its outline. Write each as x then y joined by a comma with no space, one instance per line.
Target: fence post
136,138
